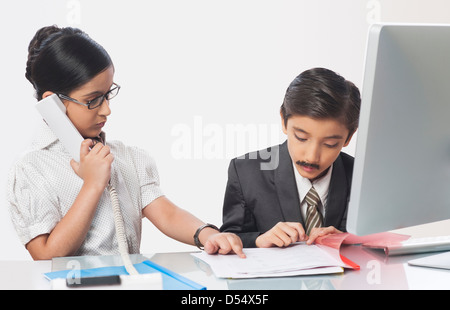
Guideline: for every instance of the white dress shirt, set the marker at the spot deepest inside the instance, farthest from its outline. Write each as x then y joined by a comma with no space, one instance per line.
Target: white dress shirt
42,187
321,185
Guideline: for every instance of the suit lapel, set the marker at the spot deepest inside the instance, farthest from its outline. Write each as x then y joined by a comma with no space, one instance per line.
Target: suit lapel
337,195
286,187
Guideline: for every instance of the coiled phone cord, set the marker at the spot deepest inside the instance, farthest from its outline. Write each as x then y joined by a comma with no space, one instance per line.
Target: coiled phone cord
120,231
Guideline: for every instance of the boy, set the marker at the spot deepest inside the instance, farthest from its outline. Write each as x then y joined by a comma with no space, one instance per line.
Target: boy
305,195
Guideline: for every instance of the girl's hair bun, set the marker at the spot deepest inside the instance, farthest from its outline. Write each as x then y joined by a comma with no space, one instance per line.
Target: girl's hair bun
36,45
62,59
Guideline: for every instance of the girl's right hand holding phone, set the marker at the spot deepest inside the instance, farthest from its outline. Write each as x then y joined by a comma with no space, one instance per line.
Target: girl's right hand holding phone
95,164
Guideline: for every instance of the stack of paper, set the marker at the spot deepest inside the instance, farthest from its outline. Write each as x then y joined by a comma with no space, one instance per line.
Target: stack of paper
297,259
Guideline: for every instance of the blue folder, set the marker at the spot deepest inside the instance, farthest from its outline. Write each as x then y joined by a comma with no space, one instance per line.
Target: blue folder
171,280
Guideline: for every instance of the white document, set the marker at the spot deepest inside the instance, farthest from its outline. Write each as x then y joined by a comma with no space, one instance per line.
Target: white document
297,259
441,261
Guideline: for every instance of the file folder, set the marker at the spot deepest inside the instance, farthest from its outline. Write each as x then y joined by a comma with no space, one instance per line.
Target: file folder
171,280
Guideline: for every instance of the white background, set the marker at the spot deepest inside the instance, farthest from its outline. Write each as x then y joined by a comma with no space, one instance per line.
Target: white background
216,70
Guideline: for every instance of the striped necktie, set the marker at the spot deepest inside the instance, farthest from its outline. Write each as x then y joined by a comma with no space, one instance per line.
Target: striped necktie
313,216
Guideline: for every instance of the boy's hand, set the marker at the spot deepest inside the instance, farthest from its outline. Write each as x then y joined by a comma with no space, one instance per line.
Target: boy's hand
224,243
281,235
322,231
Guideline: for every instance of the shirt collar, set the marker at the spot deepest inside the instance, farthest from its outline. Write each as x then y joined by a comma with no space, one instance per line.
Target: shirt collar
45,137
304,184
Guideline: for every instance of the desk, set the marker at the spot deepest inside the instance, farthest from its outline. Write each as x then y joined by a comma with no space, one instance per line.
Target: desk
377,272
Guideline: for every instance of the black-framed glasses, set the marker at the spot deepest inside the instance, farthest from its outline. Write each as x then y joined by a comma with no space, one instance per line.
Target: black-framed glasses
97,101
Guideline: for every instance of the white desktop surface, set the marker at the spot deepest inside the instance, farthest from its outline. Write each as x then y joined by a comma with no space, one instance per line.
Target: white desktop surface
24,275
378,271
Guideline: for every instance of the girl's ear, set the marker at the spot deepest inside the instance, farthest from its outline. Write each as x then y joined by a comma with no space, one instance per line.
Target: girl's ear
46,94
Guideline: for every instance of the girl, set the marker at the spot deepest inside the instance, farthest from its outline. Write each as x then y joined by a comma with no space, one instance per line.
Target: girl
60,207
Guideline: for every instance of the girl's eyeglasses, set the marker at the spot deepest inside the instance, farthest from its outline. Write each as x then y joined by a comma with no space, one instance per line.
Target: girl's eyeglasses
97,101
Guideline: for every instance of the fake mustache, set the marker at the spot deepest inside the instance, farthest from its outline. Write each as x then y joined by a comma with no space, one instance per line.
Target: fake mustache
308,165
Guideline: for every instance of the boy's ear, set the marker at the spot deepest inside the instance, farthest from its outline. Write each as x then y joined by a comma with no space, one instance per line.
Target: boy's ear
283,125
349,139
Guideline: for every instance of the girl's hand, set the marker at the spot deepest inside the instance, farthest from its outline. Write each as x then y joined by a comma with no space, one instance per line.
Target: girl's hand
224,243
95,164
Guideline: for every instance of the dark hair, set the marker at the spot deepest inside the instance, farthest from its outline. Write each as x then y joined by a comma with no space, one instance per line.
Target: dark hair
62,59
320,94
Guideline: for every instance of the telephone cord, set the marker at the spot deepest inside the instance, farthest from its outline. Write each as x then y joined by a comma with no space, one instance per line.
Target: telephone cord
120,232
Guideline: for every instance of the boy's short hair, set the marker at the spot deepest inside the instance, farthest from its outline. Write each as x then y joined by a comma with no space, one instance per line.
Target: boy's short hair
323,94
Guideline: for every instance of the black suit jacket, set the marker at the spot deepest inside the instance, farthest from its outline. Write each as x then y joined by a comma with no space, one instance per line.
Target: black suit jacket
257,199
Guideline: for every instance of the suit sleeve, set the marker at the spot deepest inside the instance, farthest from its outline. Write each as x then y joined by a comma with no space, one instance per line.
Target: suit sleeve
237,218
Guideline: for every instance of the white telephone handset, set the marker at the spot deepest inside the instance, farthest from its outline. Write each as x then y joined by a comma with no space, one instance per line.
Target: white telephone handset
54,113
